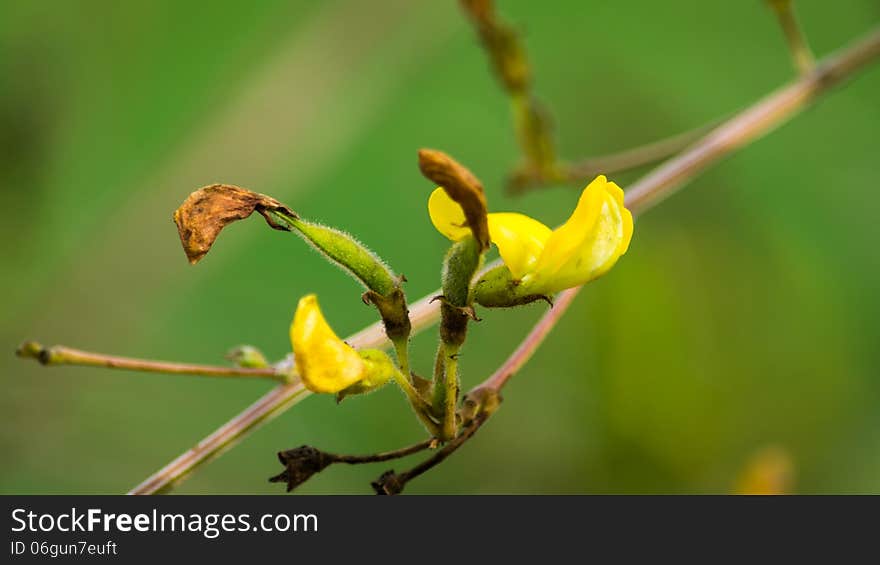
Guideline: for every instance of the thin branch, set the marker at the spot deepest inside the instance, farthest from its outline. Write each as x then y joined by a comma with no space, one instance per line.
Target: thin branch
755,121
733,134
801,54
61,355
394,483
532,341
303,462
507,54
617,162
386,455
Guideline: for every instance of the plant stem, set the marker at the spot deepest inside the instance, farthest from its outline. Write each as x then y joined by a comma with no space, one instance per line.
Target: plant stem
646,193
61,355
401,348
273,403
801,54
450,397
384,456
532,341
753,122
419,405
619,161
394,483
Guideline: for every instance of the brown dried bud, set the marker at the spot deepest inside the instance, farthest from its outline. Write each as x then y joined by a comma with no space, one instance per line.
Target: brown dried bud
388,484
462,186
210,209
300,464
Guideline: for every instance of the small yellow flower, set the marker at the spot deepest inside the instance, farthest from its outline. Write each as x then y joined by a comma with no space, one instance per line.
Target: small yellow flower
542,261
328,364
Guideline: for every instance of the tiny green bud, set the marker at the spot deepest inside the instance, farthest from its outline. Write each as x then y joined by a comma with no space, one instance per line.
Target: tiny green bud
247,356
479,401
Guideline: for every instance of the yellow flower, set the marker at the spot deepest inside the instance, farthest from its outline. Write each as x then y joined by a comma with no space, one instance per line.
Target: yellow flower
542,261
328,364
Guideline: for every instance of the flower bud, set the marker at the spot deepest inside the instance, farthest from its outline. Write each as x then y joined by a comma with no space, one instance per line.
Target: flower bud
247,356
300,465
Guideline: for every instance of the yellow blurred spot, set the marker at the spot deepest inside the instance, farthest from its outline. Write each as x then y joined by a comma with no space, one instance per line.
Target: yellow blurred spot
768,471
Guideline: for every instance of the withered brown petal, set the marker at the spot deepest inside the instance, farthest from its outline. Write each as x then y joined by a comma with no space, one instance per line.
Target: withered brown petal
462,186
211,208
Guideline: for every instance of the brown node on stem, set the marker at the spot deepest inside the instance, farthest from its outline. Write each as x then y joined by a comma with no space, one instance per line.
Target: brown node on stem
211,208
462,186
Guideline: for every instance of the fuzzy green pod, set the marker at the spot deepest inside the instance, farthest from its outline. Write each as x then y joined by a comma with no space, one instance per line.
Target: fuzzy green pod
350,254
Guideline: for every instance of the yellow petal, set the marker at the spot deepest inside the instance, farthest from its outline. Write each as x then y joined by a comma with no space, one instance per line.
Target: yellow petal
602,236
520,240
325,362
615,191
566,240
627,218
447,216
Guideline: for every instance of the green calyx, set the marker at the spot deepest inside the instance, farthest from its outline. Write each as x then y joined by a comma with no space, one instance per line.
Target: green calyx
498,289
379,370
394,312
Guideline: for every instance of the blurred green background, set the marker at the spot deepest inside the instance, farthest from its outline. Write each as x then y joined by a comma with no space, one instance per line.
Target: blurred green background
745,314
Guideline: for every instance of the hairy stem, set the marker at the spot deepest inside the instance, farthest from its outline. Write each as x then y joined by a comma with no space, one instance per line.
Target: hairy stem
450,384
401,348
650,190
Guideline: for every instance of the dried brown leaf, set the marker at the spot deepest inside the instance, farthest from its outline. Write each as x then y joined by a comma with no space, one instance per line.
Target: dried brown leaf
462,186
210,209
